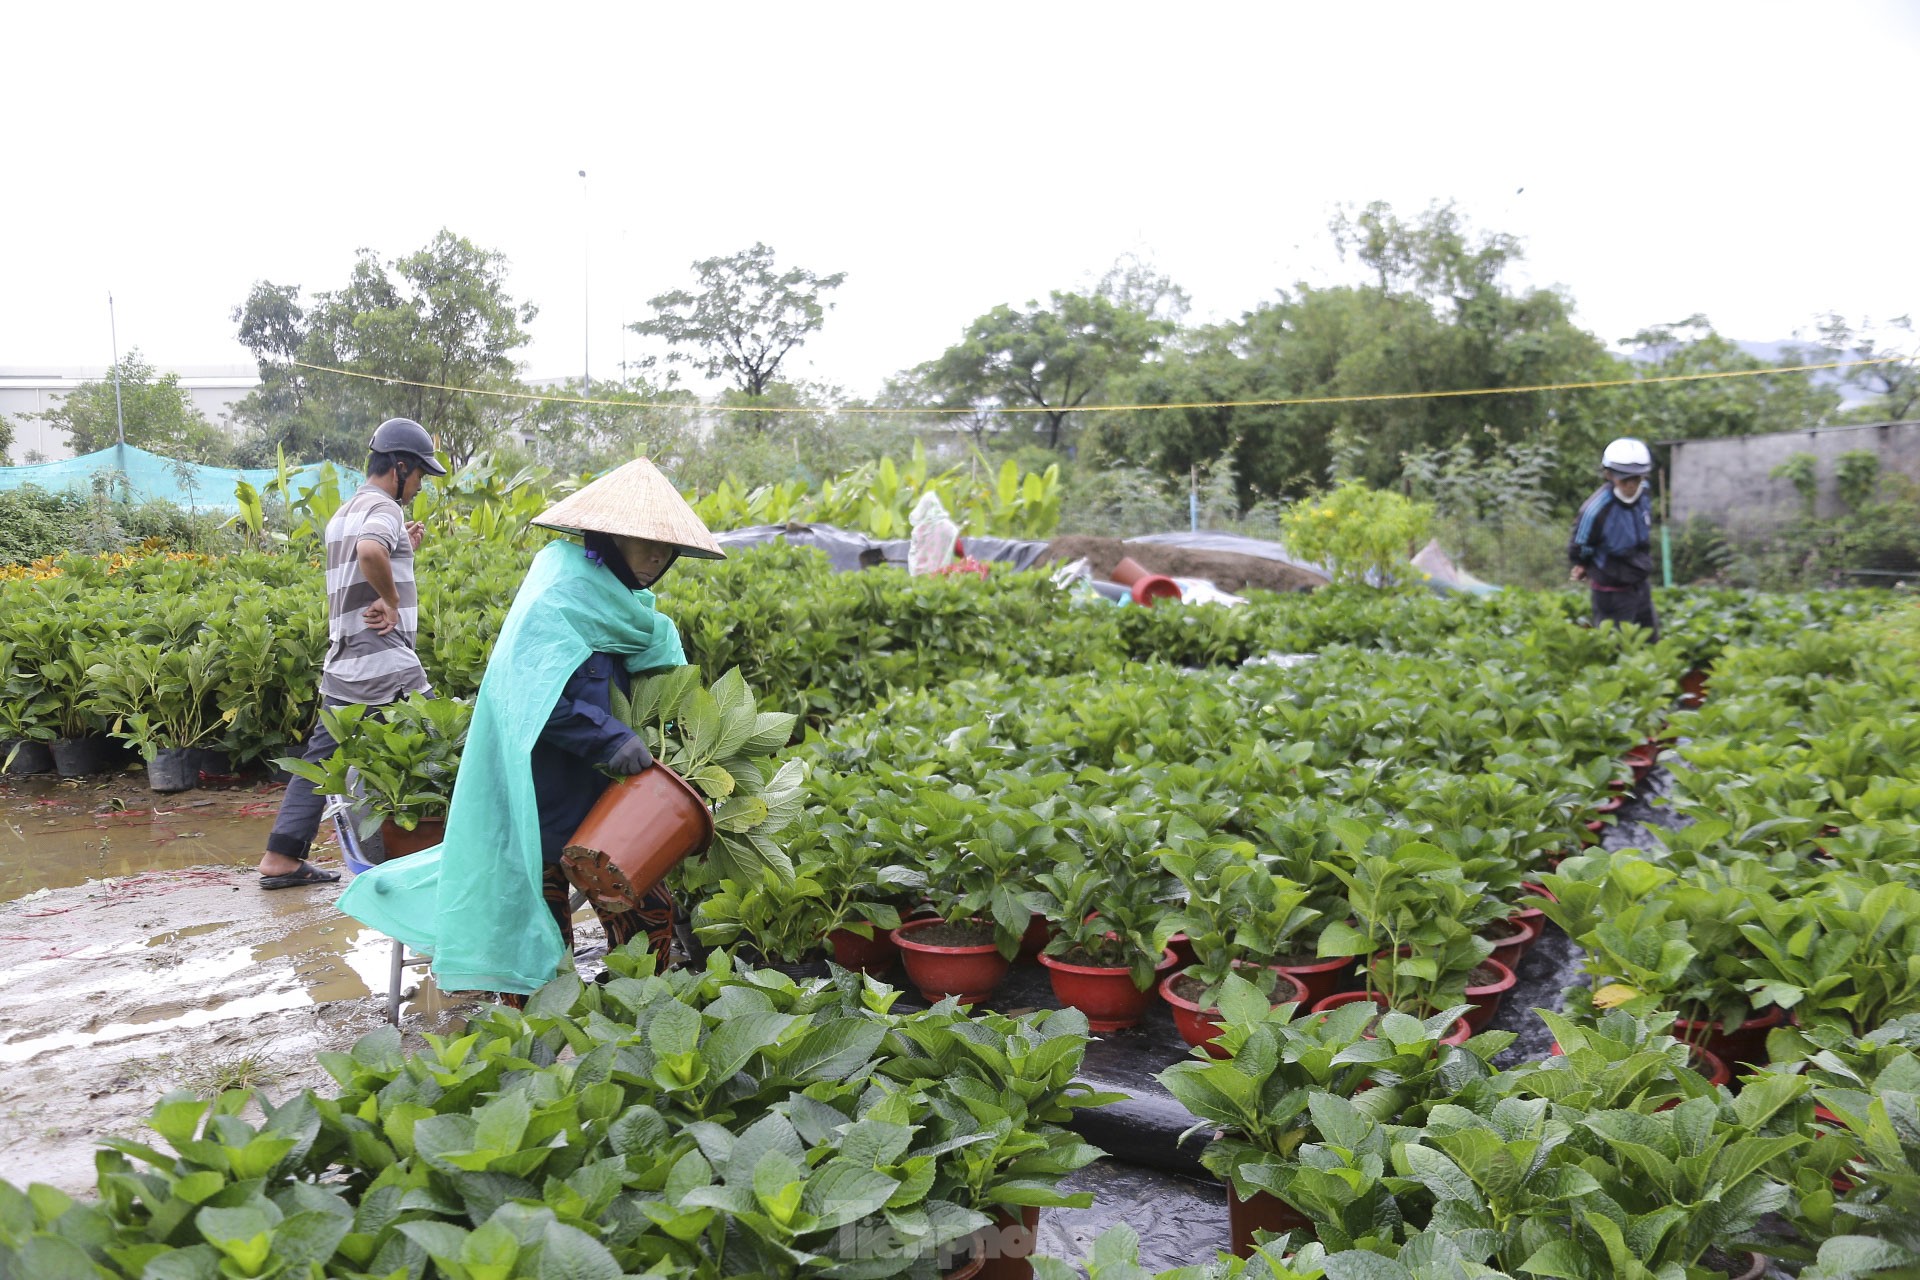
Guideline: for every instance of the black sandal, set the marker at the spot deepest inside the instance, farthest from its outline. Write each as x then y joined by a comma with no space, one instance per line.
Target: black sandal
307,874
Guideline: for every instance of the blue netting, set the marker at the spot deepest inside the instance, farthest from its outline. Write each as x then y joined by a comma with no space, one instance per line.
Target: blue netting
134,475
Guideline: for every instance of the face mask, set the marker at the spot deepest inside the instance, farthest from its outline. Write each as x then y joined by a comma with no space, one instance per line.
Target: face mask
1625,500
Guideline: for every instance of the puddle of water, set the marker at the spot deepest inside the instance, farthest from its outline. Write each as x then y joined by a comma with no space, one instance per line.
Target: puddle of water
181,1019
77,849
53,836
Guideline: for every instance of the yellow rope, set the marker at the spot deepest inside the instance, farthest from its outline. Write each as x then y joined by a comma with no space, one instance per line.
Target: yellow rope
1117,408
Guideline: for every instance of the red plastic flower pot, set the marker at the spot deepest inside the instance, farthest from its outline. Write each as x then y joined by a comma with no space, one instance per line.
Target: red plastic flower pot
1182,947
1460,1033
1318,979
1200,1025
1531,916
399,842
875,955
1710,1066
969,972
1146,586
1745,1047
1038,934
1513,937
1106,995
1260,1212
1485,996
1005,1249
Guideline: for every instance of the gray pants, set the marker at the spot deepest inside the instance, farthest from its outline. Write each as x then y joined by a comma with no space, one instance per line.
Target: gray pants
298,821
1627,604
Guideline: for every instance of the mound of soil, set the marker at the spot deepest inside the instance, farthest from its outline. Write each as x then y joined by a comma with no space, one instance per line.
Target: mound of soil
1227,570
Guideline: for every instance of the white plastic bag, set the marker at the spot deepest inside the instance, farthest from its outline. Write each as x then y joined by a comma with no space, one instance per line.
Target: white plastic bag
930,549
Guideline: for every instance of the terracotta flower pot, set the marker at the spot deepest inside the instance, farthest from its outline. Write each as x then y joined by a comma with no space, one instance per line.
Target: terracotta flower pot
1513,937
1319,979
1747,1046
639,829
1004,1249
1146,586
971,1271
399,842
1106,995
1460,1033
875,955
1260,1212
1199,1025
969,972
1485,996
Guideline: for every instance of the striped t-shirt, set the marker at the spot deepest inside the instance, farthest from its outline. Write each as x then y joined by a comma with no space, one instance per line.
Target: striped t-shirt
362,665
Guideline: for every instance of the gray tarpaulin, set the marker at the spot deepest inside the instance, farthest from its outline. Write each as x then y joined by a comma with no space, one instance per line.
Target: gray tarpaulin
1443,575
1234,543
850,550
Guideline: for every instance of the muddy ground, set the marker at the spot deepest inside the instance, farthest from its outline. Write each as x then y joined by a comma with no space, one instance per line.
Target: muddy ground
132,967
1227,570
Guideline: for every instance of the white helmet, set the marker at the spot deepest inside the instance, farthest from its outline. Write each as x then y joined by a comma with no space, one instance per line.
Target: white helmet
1628,457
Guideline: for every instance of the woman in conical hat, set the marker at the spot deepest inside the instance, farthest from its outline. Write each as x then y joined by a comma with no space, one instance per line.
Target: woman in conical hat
490,903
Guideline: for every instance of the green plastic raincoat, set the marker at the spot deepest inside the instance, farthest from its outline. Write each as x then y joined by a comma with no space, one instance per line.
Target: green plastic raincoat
474,903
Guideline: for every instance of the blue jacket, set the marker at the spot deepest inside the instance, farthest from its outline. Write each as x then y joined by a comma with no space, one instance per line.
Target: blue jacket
1614,540
581,734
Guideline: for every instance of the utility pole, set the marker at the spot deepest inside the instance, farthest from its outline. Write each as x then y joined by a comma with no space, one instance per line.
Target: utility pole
113,329
586,288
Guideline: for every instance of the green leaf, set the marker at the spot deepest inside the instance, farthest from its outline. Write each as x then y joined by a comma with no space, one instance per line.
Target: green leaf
569,1253
673,1029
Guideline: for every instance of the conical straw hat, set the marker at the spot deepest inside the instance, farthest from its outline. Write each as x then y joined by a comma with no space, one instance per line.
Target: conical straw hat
634,501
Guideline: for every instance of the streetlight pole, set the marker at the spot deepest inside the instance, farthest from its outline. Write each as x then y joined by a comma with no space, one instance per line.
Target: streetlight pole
113,330
586,289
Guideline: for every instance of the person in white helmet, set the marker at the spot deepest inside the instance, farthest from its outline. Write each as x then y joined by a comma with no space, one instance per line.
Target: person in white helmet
1612,545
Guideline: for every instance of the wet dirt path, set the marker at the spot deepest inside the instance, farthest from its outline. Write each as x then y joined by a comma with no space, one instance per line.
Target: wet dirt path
138,954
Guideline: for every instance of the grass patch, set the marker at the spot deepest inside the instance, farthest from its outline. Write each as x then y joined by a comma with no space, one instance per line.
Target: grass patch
215,1076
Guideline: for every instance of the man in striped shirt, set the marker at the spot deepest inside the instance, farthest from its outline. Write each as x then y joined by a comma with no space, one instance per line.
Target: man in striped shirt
373,615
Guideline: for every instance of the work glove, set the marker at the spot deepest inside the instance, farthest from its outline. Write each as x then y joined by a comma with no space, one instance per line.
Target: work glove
630,759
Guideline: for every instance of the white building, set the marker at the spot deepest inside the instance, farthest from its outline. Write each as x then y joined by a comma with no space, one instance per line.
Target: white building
214,389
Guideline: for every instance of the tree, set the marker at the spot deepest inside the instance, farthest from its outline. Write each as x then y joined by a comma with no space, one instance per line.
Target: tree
744,319
1433,316
1052,358
160,416
1894,388
1712,408
439,323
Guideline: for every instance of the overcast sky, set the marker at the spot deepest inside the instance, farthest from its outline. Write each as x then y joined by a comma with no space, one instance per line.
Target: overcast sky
1751,161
